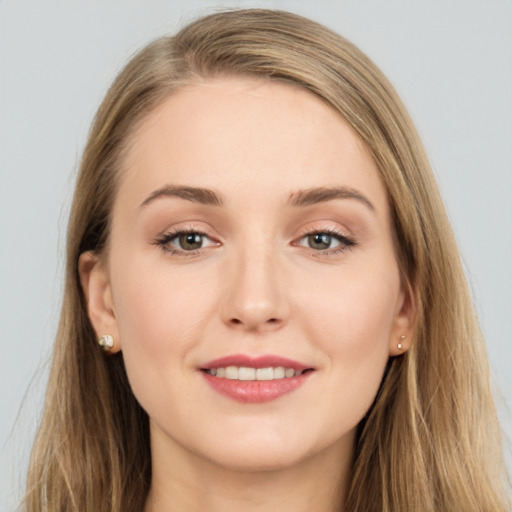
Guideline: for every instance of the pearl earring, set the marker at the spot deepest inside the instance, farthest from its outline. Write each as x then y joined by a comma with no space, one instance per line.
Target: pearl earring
106,342
402,338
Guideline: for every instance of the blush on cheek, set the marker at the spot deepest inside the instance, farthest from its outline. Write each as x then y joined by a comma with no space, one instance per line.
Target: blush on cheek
157,315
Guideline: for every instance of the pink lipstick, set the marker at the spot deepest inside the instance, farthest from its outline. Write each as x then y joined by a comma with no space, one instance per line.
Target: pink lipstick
255,379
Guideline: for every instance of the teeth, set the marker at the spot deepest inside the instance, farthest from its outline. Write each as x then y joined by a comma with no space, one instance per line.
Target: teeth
231,373
265,374
279,372
245,373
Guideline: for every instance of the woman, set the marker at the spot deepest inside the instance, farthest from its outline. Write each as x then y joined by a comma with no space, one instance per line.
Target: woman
258,244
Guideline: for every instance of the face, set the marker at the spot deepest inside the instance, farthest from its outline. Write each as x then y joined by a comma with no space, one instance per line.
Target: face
251,281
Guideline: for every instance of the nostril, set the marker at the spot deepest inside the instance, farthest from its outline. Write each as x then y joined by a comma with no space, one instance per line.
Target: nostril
271,321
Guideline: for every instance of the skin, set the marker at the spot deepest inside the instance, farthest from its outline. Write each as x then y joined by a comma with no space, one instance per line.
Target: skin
256,286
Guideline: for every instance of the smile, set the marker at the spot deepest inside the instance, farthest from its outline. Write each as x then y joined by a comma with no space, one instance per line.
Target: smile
246,373
255,379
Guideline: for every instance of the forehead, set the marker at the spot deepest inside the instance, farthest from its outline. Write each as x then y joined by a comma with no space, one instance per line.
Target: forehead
265,135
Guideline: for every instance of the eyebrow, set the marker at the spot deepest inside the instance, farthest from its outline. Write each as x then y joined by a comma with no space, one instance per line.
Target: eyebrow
323,194
194,194
302,198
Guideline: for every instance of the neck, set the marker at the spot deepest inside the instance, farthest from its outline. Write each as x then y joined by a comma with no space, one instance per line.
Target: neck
185,482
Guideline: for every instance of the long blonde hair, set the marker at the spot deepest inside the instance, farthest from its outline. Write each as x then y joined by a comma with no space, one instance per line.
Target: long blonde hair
430,441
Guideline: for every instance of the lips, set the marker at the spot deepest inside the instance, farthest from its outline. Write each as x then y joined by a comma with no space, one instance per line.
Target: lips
247,373
255,380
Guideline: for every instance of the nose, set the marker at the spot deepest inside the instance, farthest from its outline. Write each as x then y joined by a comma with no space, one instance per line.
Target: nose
255,299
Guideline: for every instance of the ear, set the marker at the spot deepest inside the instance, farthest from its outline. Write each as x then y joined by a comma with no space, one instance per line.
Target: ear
404,321
95,281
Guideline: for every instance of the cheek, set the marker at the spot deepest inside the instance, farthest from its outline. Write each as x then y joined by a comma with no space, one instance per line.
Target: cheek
355,312
352,322
159,317
153,303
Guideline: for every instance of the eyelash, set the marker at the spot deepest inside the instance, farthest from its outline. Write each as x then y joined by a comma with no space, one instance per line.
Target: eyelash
345,242
164,239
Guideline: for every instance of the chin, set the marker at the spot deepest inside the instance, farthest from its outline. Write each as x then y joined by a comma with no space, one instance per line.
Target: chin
258,461
260,452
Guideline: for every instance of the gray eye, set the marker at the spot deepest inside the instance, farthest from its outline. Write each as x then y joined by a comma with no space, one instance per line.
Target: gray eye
181,242
320,241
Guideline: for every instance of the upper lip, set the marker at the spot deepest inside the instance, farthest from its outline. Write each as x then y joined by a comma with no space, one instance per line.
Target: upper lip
265,361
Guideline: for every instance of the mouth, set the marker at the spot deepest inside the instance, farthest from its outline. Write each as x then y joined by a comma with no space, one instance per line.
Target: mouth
255,380
247,373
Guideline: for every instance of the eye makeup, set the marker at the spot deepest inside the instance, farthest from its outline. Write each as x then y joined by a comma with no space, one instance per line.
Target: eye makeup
192,241
328,241
184,242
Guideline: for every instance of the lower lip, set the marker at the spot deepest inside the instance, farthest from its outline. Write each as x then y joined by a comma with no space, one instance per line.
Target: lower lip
255,391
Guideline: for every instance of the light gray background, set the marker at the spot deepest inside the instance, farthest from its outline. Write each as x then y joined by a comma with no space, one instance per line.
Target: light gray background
450,61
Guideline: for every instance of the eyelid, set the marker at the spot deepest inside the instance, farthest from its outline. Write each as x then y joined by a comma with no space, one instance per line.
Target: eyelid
163,240
345,241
